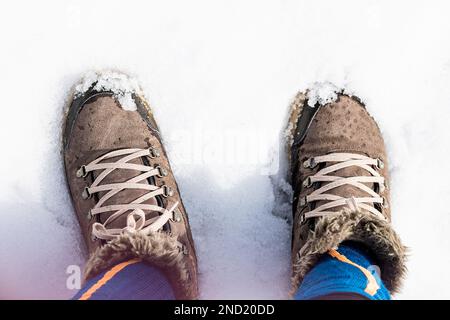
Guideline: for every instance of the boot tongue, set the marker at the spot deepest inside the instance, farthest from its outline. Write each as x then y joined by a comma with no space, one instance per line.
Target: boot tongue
347,190
124,196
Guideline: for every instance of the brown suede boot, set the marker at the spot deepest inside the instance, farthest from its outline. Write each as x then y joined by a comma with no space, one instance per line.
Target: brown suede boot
122,186
340,181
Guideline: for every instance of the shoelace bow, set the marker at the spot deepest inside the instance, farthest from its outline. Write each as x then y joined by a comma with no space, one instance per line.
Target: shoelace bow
341,161
136,219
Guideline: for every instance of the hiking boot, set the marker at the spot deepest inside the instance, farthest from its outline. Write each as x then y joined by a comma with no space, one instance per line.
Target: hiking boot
340,180
122,187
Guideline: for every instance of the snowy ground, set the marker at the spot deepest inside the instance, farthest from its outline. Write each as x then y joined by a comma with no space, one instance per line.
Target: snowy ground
220,76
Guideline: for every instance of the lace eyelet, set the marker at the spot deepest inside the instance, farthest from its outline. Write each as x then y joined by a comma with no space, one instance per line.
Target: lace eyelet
81,172
162,171
302,218
385,203
307,182
167,191
86,194
309,163
302,201
380,164
89,215
153,152
176,217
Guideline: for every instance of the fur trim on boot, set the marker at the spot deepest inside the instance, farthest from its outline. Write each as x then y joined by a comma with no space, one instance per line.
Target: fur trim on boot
158,249
362,227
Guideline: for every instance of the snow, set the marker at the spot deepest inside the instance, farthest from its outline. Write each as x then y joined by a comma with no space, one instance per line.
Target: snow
121,85
220,76
322,93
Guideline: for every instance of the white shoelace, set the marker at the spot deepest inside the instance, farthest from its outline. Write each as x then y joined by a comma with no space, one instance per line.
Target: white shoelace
136,207
341,161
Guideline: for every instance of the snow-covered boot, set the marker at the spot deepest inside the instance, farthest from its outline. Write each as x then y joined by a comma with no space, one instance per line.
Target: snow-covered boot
122,186
340,181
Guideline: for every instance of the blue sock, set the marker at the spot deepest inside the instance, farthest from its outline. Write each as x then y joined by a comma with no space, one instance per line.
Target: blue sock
130,280
333,277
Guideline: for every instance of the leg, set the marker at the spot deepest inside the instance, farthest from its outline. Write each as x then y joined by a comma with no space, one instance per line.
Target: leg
128,280
347,273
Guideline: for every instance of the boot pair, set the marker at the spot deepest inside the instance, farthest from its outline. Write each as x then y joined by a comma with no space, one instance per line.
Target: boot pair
129,206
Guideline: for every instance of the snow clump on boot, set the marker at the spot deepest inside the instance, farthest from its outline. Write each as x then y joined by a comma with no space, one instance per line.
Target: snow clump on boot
121,85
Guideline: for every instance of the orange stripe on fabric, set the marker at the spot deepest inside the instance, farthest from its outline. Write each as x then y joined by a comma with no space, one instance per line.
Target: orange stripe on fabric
106,277
372,284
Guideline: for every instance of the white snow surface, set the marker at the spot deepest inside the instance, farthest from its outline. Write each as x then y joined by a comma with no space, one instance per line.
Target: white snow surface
121,85
220,76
